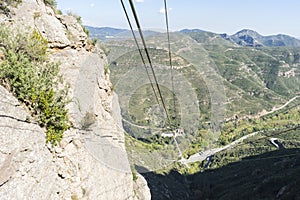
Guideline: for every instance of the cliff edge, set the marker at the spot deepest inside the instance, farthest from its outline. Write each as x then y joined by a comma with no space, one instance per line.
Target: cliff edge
90,162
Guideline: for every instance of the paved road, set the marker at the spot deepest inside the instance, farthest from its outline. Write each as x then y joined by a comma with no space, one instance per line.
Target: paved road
204,154
200,156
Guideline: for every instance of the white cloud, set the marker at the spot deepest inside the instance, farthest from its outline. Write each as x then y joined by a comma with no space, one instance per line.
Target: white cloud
162,10
92,5
139,1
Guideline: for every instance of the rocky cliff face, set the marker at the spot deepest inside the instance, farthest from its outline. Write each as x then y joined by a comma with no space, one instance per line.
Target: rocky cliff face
90,162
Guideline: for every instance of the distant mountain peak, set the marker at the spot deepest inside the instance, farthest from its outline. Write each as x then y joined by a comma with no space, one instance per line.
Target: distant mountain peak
247,37
191,30
248,32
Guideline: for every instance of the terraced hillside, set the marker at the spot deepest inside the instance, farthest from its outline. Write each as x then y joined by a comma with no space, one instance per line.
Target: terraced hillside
215,90
255,79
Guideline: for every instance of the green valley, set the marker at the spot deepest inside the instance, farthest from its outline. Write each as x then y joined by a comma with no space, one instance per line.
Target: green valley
229,99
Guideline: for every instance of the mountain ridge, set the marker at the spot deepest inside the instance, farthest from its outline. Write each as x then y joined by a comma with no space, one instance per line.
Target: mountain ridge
244,37
256,80
247,37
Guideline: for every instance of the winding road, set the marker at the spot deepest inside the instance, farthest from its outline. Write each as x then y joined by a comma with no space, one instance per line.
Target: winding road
281,107
204,154
200,156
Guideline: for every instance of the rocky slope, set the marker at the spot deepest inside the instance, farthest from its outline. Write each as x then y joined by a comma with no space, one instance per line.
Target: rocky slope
248,37
90,162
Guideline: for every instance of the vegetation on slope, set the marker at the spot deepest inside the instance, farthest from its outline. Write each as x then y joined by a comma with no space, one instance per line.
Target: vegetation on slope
51,3
27,73
284,118
4,5
253,169
255,79
271,175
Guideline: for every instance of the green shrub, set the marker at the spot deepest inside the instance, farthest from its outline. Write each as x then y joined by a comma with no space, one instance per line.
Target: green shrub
87,31
134,175
4,4
58,12
34,80
74,197
51,3
94,41
105,48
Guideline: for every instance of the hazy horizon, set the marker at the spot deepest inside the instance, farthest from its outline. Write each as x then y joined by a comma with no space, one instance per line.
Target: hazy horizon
265,17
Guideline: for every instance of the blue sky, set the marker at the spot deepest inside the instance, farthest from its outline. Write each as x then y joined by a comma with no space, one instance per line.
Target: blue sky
267,17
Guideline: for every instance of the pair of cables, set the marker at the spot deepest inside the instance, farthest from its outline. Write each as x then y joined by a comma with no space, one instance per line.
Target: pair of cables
154,85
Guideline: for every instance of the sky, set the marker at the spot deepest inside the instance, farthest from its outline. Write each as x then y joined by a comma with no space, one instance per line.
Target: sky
267,17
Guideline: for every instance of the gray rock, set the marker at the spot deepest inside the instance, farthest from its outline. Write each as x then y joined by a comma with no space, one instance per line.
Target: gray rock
25,162
91,161
52,30
95,155
141,188
75,30
32,14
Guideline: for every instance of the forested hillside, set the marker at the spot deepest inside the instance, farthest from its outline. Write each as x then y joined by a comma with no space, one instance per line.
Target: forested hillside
232,101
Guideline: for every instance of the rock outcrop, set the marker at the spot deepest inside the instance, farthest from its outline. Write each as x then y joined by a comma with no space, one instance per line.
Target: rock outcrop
91,161
26,167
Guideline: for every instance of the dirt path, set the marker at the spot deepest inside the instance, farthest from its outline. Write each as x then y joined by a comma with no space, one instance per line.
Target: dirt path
281,107
264,112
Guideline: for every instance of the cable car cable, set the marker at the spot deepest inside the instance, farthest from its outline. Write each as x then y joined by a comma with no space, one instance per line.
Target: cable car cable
140,52
149,60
